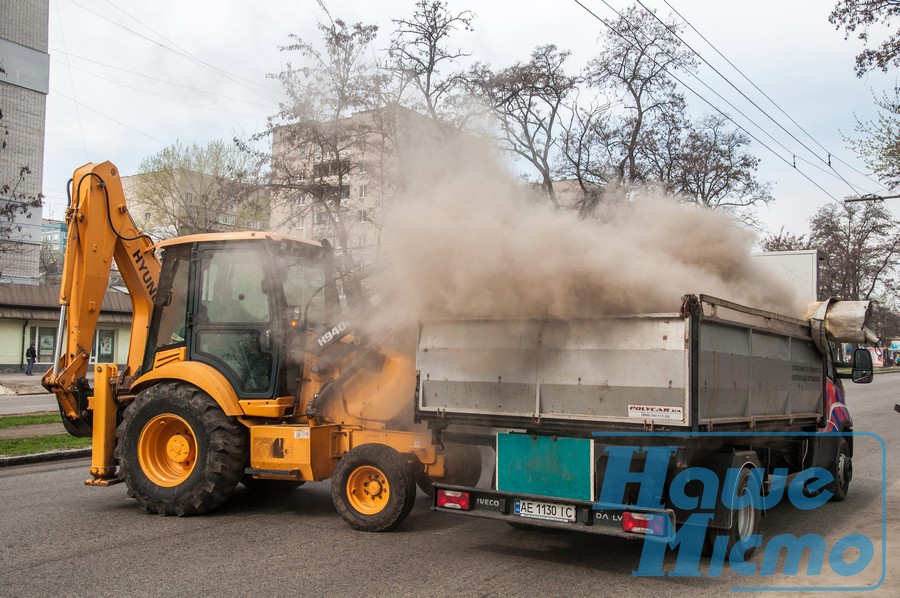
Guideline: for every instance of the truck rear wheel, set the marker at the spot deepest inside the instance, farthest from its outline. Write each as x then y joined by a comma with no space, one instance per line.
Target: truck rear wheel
744,520
178,452
463,468
842,470
372,488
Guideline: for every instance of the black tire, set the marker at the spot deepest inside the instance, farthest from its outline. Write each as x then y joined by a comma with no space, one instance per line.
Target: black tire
203,457
373,488
463,468
266,486
744,522
842,470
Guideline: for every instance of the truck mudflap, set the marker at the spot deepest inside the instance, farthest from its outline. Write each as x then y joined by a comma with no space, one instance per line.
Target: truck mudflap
540,511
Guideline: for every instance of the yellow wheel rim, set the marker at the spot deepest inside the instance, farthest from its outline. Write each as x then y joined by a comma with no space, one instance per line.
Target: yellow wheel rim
368,490
167,450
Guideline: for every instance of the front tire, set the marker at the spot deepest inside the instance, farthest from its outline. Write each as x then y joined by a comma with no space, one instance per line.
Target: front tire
842,470
178,453
372,488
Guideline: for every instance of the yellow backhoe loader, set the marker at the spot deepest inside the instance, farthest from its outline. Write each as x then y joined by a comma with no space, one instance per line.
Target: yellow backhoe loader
241,368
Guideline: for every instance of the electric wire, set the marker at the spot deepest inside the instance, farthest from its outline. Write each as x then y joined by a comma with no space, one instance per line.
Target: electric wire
711,105
855,190
158,80
188,53
101,113
159,95
765,95
62,32
180,53
735,108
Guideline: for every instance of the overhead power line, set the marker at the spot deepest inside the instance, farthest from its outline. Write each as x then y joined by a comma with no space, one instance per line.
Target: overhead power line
103,114
709,103
871,197
160,80
764,94
175,49
161,96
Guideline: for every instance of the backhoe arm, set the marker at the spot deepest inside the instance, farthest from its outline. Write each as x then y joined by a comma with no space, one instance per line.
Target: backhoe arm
100,229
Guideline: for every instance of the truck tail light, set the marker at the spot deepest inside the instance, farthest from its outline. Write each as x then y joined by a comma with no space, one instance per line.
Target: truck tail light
644,523
452,499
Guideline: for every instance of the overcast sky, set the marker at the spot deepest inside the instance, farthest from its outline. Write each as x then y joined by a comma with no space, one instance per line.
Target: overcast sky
129,77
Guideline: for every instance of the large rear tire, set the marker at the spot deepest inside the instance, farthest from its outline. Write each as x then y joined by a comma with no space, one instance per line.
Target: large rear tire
744,521
178,453
372,488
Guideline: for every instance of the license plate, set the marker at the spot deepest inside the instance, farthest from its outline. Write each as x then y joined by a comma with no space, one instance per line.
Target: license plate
544,510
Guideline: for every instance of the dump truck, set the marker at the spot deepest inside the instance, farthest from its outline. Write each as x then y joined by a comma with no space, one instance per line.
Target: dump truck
592,420
242,367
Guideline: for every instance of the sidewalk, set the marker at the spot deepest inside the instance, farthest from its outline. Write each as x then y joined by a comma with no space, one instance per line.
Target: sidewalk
19,383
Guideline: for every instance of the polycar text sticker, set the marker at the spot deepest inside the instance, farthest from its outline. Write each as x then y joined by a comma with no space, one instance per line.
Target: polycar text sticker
656,412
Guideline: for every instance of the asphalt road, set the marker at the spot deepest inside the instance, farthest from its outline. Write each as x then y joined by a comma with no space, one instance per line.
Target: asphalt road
27,404
59,537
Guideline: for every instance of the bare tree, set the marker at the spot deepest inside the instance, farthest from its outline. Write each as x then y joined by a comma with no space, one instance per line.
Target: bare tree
583,152
316,145
879,144
526,100
785,241
712,169
634,69
862,243
858,16
51,262
188,189
419,52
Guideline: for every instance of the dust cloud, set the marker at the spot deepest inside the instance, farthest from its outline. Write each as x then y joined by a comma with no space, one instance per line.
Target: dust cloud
466,240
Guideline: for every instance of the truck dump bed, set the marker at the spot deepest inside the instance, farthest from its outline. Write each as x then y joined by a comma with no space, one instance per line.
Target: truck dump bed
713,365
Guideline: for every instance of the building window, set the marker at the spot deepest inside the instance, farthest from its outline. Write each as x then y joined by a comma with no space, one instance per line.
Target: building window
44,339
103,349
345,192
320,218
362,216
360,240
363,191
332,168
227,219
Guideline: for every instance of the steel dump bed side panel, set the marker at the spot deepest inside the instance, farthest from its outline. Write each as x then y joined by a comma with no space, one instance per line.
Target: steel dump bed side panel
588,370
716,365
752,376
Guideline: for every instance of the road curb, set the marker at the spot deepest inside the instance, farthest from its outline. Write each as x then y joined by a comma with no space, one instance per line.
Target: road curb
44,457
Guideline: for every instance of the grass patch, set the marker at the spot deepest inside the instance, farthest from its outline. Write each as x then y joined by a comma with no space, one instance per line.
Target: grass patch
41,444
15,421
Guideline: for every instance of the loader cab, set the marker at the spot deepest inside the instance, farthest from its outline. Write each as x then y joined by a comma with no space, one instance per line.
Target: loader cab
240,304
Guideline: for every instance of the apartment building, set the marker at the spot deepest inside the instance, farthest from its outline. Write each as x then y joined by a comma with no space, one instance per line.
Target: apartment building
24,84
334,180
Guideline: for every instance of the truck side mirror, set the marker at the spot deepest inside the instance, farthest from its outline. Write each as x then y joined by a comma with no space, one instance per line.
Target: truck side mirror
862,366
